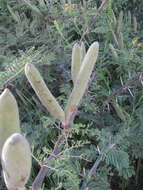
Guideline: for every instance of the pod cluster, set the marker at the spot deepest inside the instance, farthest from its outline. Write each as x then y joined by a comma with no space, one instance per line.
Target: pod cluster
81,69
118,25
15,151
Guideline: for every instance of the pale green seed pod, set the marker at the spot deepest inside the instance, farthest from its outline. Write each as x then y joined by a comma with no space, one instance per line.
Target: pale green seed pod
118,110
120,22
44,94
76,61
82,81
23,188
129,18
114,52
121,40
83,52
16,162
9,116
115,38
114,19
135,24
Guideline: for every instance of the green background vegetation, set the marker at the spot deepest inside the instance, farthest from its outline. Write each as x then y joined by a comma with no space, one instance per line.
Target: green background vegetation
43,33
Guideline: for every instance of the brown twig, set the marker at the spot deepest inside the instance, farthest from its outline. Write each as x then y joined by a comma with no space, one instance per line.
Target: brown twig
93,170
44,168
100,8
138,169
128,85
103,2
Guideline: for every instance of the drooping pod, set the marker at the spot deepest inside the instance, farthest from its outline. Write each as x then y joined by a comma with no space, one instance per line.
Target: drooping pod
9,116
114,52
44,94
118,110
16,162
82,81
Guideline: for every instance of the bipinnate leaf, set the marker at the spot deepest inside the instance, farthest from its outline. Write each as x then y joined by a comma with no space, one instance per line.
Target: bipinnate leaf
44,94
9,116
81,81
16,162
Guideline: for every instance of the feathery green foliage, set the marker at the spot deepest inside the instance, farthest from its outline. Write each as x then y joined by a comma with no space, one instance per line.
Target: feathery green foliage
111,110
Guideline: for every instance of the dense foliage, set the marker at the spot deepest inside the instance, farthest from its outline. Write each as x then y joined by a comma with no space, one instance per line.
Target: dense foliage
43,33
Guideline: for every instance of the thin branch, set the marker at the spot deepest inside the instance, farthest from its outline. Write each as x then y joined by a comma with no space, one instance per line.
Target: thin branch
93,76
94,18
138,169
93,170
100,8
44,169
128,85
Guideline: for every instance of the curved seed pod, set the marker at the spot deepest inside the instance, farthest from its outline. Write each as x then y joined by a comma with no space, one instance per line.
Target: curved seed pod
114,52
9,116
44,94
114,18
135,25
115,38
120,22
129,18
83,52
82,81
16,161
76,58
118,110
121,41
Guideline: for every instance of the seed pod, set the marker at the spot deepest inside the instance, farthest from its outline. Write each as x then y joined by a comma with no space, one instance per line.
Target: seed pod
44,94
16,161
120,22
135,24
114,52
118,110
114,19
76,59
129,18
82,81
115,38
121,40
9,117
83,52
